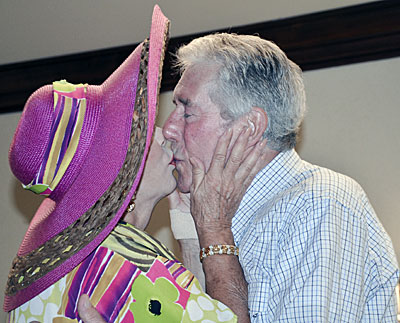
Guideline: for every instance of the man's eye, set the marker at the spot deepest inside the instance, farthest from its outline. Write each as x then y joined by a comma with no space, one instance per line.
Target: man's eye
186,115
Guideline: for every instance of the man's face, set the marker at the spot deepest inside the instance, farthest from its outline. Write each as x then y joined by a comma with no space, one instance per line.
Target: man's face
195,125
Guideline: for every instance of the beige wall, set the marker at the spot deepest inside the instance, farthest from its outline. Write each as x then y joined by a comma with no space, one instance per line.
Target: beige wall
46,28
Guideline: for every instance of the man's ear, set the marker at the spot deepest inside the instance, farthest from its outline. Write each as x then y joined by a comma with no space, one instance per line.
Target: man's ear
257,120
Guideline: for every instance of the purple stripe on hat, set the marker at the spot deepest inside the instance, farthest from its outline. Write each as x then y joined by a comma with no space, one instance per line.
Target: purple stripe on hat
74,118
59,112
68,132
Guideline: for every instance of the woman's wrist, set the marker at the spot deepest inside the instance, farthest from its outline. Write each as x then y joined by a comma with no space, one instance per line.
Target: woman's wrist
182,225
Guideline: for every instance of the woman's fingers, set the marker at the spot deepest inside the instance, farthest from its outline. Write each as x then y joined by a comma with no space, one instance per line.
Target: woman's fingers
239,166
237,153
178,200
87,312
219,156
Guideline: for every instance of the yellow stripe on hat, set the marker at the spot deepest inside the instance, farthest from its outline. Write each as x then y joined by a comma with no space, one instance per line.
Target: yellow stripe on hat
49,173
70,108
72,147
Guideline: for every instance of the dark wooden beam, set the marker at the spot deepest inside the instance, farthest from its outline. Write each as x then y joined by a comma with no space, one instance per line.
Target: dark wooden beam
336,37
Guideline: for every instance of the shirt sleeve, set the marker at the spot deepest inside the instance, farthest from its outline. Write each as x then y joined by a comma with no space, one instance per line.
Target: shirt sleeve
318,266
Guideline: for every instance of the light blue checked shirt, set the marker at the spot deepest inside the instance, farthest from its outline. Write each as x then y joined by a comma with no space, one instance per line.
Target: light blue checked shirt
312,248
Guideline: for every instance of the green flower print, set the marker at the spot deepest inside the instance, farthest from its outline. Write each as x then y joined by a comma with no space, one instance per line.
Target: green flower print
155,302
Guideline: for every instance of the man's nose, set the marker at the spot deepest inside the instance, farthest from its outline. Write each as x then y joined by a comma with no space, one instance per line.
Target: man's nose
172,129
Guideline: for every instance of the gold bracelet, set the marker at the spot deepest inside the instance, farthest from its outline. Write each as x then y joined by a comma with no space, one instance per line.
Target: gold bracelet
219,249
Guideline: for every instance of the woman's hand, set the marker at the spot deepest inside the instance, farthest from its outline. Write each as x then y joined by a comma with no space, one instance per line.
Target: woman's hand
179,201
184,231
216,195
182,225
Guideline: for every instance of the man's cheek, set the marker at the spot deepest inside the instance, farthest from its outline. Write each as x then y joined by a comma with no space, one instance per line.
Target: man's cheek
193,145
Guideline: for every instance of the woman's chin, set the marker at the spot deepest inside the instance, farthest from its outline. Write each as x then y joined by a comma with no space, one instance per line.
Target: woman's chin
173,185
167,187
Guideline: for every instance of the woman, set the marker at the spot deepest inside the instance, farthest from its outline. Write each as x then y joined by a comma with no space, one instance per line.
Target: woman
157,182
85,147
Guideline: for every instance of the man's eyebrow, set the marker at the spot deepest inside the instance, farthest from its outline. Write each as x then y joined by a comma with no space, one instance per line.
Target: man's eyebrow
185,102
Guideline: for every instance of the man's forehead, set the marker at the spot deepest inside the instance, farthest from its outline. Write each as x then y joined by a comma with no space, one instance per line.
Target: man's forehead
192,87
197,75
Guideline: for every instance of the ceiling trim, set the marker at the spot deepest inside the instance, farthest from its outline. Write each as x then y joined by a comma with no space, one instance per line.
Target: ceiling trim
330,38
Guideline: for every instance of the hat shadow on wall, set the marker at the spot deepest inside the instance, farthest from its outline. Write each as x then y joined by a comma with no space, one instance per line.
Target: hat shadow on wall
24,201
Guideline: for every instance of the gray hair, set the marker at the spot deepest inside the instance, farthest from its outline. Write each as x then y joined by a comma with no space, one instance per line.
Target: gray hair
252,72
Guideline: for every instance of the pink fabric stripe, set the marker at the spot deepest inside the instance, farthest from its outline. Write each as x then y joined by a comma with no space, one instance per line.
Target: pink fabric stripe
79,93
82,280
87,279
122,281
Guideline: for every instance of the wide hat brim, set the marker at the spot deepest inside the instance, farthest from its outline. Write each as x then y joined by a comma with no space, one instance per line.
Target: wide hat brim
118,128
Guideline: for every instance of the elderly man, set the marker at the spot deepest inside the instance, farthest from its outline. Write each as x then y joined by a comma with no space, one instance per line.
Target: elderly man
311,246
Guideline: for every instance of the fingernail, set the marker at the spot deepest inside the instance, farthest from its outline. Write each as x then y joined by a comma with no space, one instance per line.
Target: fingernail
228,130
262,143
227,133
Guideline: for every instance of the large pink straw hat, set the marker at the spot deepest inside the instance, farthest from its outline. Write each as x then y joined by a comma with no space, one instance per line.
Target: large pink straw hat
84,146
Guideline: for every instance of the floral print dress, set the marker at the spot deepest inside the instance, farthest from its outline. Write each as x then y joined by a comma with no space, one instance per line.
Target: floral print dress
130,277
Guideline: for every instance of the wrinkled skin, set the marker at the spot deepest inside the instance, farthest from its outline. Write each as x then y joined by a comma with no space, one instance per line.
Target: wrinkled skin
195,125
